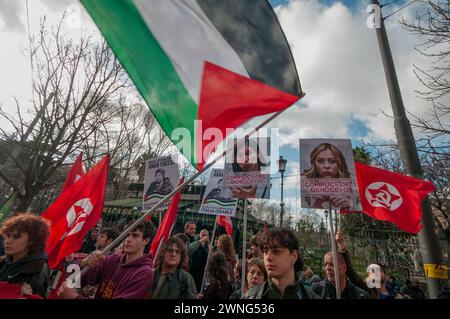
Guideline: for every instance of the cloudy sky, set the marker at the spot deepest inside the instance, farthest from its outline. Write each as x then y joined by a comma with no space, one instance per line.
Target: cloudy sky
336,55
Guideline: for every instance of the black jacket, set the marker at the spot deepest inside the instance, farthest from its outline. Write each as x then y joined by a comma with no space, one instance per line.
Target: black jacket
352,274
32,270
326,290
197,265
412,292
267,290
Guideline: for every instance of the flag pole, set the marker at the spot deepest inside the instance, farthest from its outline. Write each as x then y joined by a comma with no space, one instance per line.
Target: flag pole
335,258
209,255
429,243
244,249
157,251
180,187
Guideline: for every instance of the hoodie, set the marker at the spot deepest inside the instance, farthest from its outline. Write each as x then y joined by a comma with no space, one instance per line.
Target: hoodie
117,280
32,270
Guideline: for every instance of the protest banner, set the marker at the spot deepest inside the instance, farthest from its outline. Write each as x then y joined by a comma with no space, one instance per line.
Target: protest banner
247,169
217,199
161,174
328,178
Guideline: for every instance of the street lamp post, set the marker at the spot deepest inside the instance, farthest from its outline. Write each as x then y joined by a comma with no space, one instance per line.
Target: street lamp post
282,168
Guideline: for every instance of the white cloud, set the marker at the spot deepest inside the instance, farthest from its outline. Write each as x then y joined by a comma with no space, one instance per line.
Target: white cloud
15,75
341,72
337,57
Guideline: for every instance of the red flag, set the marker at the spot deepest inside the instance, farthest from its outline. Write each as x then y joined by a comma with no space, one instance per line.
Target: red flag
392,197
60,277
76,211
165,228
75,173
266,227
225,222
14,291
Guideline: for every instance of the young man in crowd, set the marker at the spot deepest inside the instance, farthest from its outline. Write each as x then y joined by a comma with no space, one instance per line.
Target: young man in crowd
282,262
106,237
89,241
255,246
127,276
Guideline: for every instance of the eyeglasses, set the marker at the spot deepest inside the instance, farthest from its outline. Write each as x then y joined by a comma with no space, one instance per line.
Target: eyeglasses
173,251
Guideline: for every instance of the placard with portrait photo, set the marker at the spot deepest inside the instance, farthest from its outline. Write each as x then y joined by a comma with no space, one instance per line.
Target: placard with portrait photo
217,199
161,178
327,174
247,168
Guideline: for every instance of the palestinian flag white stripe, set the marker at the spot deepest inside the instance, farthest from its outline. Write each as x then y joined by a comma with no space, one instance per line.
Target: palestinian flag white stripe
189,39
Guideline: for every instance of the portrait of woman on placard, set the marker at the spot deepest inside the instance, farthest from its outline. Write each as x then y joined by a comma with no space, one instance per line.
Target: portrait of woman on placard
247,159
327,161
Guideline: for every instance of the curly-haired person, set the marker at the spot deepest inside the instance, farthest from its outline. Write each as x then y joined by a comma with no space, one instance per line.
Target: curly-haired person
25,261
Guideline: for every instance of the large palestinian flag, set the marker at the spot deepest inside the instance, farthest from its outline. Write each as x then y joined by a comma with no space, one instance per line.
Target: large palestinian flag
218,61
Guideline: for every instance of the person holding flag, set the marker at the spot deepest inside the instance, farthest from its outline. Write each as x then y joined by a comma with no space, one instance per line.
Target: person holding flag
75,212
25,236
127,276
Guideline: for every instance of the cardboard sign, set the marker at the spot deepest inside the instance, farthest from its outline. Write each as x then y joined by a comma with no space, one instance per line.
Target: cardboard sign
217,199
161,178
327,171
247,169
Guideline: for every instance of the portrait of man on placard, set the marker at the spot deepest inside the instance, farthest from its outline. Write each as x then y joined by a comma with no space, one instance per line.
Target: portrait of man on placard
161,184
218,192
160,178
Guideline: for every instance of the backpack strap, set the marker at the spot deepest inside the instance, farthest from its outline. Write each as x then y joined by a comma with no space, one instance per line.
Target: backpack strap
322,293
183,281
156,276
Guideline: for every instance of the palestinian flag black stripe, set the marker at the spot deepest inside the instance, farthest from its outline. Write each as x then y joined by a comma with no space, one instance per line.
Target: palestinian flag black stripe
253,24
218,62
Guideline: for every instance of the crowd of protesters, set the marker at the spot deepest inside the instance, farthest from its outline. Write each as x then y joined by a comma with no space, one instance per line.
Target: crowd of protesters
188,266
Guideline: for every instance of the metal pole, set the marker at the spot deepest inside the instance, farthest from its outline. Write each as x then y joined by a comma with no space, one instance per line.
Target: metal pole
244,249
159,217
335,259
209,255
429,244
326,228
179,188
282,203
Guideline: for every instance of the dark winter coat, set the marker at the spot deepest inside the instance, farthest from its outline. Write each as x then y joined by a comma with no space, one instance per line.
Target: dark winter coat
326,290
267,290
32,270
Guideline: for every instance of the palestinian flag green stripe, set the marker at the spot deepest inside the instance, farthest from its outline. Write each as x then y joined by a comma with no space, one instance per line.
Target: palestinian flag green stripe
158,196
147,64
218,202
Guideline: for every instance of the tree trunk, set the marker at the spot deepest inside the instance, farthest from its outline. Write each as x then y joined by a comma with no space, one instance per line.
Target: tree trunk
24,202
